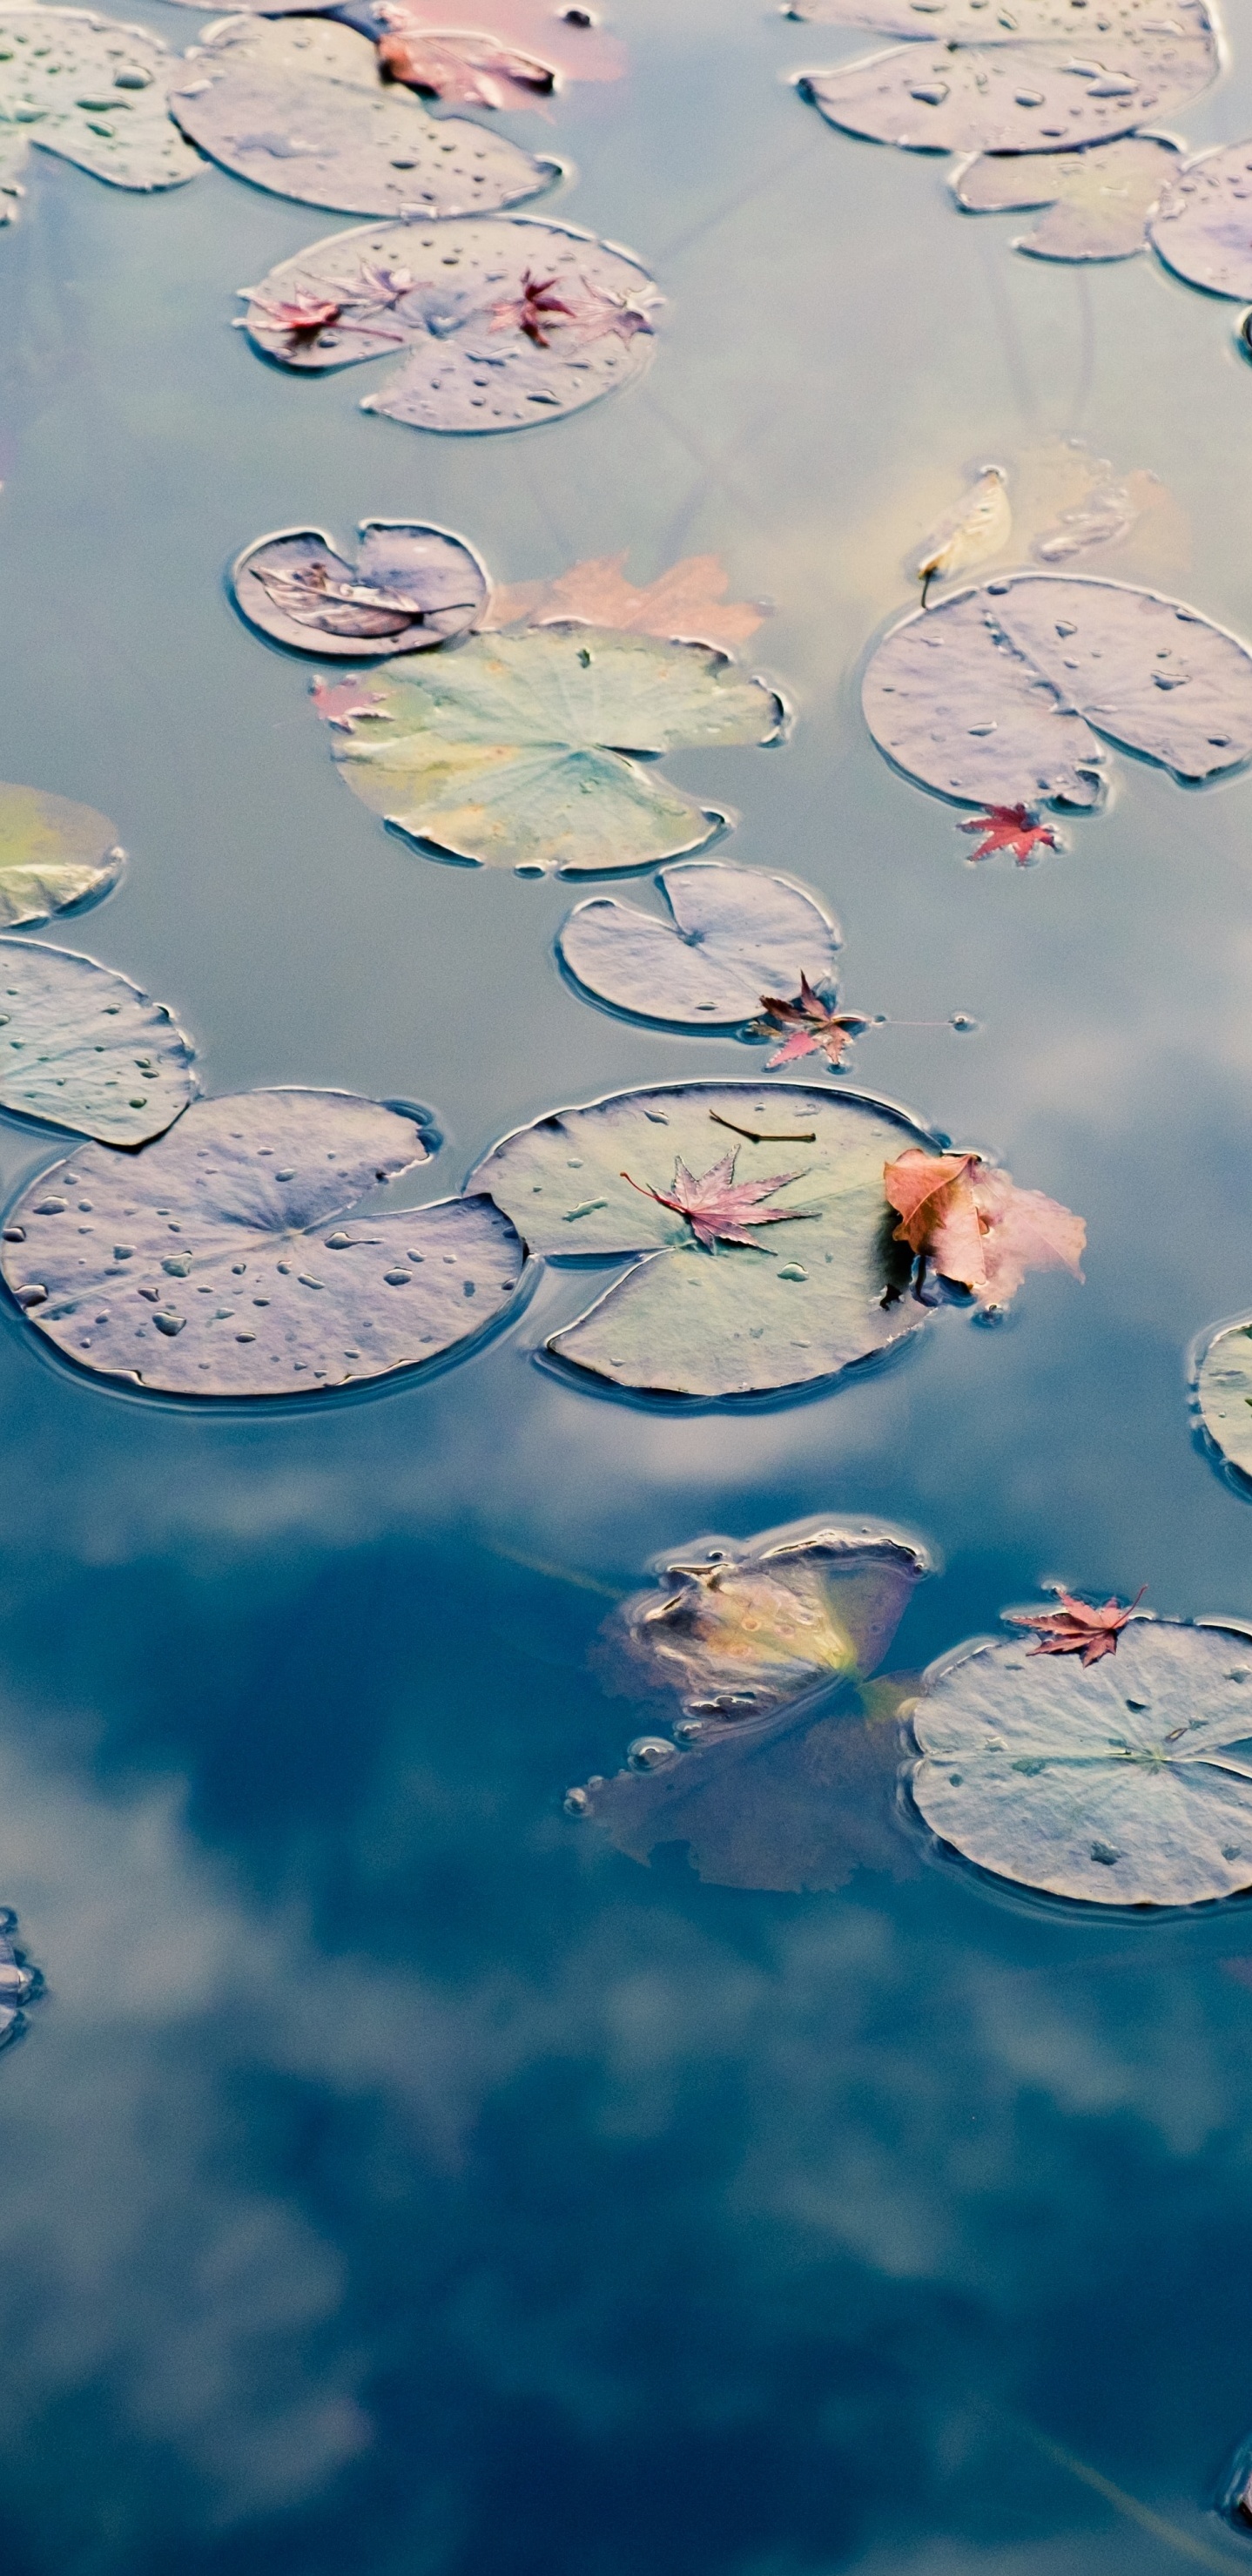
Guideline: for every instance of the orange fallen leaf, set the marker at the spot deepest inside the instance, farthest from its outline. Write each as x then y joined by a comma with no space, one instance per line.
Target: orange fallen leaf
569,40
686,605
976,1227
464,69
1073,1627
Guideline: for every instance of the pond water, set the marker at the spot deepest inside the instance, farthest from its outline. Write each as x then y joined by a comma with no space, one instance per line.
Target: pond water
398,2178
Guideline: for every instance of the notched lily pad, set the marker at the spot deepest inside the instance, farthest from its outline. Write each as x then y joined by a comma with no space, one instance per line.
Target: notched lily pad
1223,1391
53,853
992,696
1012,97
231,1258
299,107
411,586
81,1047
732,935
1126,1782
786,1277
514,751
94,91
1202,227
1097,202
505,322
970,22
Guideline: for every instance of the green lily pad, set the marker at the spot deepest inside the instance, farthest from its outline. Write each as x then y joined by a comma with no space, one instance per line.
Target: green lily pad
733,935
53,853
1125,1783
1223,1391
94,91
1097,202
798,1301
514,750
83,1048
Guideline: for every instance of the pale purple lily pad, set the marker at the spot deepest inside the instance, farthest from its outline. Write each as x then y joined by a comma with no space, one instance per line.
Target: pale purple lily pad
93,91
82,1047
298,107
807,1298
1202,227
411,586
1097,202
463,298
971,22
229,1259
732,935
991,698
998,97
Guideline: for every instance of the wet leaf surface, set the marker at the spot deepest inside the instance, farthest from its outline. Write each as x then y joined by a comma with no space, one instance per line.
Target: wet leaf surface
730,934
474,304
506,751
978,528
688,604
94,91
1202,227
976,1228
991,696
576,44
981,96
1128,1783
970,22
1224,1392
1096,202
463,69
53,853
300,108
227,1260
410,587
740,1319
82,1047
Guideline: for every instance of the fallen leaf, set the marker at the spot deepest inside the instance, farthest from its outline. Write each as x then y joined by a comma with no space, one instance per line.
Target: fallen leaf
979,527
686,605
410,588
570,41
344,702
536,309
815,1027
1074,1627
976,1227
466,70
1011,827
719,1208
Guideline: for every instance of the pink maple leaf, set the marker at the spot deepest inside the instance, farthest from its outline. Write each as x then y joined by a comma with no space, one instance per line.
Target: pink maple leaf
815,1027
718,1208
1076,1627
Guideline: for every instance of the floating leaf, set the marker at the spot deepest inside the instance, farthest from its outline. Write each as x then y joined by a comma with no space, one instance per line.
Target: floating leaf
227,1259
459,298
463,69
976,1227
739,1320
685,605
53,853
571,40
969,22
93,90
81,1047
411,586
1224,1391
1071,1627
1126,1784
812,1026
1098,201
503,751
990,697
299,108
1011,827
731,932
1203,224
978,528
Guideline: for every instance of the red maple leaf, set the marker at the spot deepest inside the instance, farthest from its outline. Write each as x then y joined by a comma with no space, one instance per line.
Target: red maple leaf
301,317
533,311
816,1027
1076,1628
719,1208
1011,827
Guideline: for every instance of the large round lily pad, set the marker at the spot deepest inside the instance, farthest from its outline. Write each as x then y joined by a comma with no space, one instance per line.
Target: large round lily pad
505,322
411,586
733,935
1203,224
299,107
53,853
514,749
1097,202
82,1047
807,1287
229,1258
957,97
1125,1783
94,91
1223,1388
992,696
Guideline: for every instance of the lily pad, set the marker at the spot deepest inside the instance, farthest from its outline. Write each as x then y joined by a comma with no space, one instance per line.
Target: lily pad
970,22
53,853
733,934
19,1984
1128,1782
991,697
230,1258
1203,224
299,107
82,1047
507,750
1097,202
411,586
506,322
1223,1389
799,1299
94,91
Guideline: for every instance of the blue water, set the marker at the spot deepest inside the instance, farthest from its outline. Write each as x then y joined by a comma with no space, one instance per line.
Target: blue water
395,2178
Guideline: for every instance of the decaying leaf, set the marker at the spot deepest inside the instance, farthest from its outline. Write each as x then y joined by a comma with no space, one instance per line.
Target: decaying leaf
1097,201
687,605
813,1026
729,932
976,1227
411,586
462,69
1128,1783
53,853
1072,1627
504,752
95,92
977,529
83,1048
569,41
1202,226
1011,827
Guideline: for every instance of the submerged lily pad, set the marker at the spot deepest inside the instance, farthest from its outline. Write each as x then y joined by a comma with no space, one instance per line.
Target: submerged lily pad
991,697
81,1047
504,751
94,91
53,853
988,97
1128,1782
411,586
1223,1387
733,935
1098,201
299,107
798,1295
228,1260
1203,224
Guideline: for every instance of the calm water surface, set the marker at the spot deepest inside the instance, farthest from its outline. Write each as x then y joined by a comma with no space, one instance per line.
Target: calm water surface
396,2179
